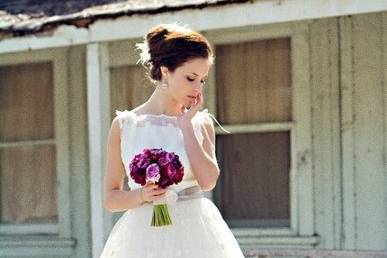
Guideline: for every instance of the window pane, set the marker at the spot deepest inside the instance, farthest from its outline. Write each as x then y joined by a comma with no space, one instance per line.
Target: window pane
253,82
27,173
26,102
28,185
253,188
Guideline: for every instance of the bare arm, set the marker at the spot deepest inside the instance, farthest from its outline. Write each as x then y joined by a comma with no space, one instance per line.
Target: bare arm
202,157
115,198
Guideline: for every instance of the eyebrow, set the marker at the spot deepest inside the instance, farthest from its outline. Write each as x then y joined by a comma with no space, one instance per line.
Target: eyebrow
198,75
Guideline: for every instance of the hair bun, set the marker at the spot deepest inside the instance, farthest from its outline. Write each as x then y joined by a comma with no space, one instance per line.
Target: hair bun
152,40
156,34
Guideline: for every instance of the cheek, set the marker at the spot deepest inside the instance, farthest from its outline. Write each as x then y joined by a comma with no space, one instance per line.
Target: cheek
182,86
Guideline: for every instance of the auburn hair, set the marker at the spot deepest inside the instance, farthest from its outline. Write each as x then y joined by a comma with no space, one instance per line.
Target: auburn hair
171,45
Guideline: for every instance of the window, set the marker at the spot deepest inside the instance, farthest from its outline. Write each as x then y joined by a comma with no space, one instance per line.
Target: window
259,91
254,91
34,144
27,150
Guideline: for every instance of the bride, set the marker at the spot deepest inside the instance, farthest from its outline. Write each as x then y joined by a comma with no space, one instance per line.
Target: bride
178,60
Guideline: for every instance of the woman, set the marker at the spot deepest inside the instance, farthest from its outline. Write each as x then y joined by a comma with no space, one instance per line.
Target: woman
178,60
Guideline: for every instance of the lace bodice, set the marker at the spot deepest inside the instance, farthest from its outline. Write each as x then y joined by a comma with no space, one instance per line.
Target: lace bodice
156,131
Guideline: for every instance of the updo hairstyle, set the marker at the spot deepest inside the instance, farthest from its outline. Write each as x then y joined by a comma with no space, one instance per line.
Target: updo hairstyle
171,45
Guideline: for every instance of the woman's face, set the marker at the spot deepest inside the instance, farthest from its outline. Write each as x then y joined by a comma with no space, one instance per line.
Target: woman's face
187,81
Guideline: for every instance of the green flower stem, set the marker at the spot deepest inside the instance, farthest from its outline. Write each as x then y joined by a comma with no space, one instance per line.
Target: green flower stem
161,216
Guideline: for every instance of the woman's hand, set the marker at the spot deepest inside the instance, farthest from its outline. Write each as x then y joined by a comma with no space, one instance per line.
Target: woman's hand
151,192
185,119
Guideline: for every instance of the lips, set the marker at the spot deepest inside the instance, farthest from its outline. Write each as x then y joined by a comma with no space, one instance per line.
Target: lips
192,97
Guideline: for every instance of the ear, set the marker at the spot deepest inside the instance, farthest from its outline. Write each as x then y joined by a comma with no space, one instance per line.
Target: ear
164,71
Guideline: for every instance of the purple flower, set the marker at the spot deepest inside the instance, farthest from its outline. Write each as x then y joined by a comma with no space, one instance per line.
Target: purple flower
153,173
174,174
164,182
170,156
163,161
143,163
138,176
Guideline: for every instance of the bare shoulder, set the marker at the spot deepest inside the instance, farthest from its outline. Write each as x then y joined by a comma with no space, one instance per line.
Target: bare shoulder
138,110
115,127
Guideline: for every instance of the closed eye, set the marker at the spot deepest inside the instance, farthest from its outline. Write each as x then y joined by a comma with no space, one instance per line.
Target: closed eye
191,80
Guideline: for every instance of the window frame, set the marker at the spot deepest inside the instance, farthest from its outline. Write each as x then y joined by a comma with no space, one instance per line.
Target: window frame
300,178
60,233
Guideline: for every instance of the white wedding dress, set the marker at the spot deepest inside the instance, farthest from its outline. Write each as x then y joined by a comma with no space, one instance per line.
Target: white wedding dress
198,229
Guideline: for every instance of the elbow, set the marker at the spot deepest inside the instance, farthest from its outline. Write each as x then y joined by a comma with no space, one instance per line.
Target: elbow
107,203
210,184
107,206
207,187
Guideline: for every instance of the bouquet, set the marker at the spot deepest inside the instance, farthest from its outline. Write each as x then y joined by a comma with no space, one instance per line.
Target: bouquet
161,168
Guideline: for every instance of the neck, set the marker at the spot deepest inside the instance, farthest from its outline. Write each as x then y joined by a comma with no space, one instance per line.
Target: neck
160,102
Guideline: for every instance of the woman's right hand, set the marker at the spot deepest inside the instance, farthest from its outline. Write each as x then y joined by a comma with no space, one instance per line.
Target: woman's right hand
151,192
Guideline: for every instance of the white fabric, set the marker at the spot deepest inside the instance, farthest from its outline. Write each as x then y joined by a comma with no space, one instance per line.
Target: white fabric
198,229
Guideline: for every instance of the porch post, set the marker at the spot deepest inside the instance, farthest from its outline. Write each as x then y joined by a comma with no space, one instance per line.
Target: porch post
98,109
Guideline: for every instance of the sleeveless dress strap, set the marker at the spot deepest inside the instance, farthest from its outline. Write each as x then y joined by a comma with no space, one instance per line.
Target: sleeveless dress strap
124,117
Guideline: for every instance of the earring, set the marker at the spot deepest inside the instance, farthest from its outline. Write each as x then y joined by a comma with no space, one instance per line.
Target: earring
164,84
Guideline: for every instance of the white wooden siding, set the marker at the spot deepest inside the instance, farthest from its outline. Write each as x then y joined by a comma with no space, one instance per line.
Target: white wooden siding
326,130
368,129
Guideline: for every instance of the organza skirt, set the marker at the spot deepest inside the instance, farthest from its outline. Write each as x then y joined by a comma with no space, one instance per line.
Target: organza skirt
198,231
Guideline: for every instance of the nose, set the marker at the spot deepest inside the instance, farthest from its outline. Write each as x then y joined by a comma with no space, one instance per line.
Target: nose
199,86
198,90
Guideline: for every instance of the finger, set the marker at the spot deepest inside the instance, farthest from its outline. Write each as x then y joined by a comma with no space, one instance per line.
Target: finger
200,98
152,187
198,103
158,191
157,197
149,183
149,187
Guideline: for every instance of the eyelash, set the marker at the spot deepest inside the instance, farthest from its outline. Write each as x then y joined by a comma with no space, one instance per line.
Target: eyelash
191,80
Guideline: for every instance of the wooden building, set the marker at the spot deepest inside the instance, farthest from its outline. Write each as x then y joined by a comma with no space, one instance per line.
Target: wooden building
301,85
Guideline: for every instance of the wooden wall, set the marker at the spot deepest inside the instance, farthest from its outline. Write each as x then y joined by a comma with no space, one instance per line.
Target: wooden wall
80,186
348,74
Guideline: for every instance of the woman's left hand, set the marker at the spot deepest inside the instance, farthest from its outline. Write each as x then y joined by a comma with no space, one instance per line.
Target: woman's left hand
185,119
